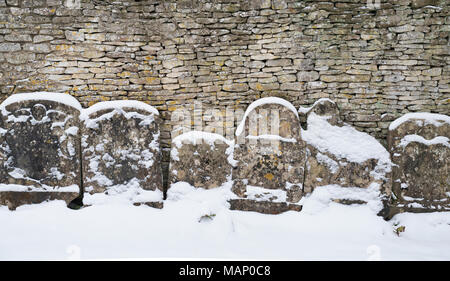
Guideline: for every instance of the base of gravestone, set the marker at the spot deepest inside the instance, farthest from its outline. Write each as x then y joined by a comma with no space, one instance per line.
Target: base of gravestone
14,199
263,207
156,204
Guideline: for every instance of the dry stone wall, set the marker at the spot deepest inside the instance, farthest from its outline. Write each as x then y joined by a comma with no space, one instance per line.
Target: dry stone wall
376,64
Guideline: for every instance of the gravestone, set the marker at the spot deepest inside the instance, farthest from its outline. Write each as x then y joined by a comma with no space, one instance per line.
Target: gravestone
39,146
270,155
420,149
201,159
340,155
121,151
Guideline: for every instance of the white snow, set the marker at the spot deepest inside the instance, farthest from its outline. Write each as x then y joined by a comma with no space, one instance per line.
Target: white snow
197,224
118,104
271,138
343,142
43,188
423,117
305,110
198,137
123,194
264,194
260,102
416,138
57,97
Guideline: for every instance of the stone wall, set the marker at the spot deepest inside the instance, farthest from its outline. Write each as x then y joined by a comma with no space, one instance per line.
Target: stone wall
376,64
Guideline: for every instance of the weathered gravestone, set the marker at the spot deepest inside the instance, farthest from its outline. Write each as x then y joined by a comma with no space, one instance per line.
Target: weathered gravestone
340,155
201,159
39,145
419,144
121,152
270,155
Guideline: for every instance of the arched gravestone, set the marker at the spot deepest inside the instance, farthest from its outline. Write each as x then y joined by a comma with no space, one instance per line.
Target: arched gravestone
39,145
201,159
419,144
270,155
121,151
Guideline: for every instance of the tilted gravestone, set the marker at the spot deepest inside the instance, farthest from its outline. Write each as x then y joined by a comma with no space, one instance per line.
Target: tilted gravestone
40,148
340,155
419,144
121,151
201,159
270,155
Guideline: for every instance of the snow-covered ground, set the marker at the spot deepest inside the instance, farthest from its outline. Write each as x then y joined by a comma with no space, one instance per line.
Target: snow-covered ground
324,230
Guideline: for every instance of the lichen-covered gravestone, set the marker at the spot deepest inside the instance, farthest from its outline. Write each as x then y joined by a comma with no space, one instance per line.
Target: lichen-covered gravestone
419,144
270,155
201,159
121,153
39,146
341,155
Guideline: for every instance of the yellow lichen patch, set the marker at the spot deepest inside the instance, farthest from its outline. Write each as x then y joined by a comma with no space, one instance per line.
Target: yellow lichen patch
259,87
269,176
150,79
149,57
172,108
62,47
124,74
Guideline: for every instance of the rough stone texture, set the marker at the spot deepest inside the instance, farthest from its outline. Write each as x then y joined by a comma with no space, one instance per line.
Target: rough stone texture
272,208
372,62
421,175
121,145
14,199
202,162
325,168
40,149
271,165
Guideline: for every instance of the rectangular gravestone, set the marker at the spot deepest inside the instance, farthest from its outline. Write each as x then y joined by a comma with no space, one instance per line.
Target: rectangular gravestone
121,153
